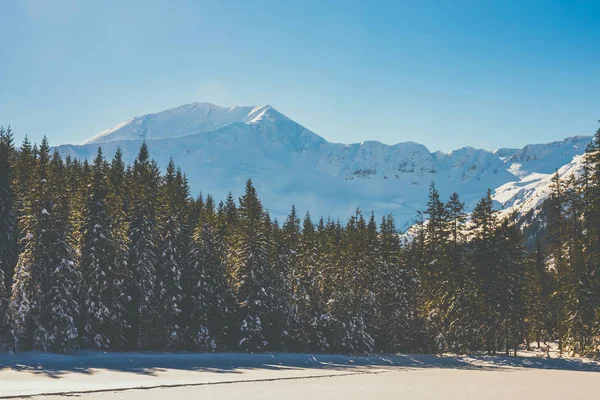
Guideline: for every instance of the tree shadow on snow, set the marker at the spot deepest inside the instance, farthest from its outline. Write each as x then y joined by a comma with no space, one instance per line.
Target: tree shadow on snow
86,362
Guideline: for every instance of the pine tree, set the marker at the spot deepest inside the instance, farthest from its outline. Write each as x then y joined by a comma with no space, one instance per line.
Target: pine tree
252,269
460,294
41,254
352,300
8,221
313,319
98,262
511,259
486,271
585,309
580,299
436,269
143,249
536,297
214,304
118,198
169,274
61,308
284,279
8,218
558,265
395,319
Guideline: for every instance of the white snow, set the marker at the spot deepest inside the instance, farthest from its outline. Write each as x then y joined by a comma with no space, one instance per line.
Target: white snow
220,147
32,373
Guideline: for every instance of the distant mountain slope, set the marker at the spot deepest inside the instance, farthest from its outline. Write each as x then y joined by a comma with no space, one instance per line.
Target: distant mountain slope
219,148
179,121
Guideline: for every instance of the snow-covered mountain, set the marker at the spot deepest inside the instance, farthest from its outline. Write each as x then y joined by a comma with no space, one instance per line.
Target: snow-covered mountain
219,148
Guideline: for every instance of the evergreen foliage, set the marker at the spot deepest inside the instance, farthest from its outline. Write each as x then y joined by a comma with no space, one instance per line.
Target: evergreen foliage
121,257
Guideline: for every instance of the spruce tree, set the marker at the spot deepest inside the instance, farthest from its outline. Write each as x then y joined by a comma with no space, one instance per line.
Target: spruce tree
118,199
285,276
535,297
510,282
252,269
61,308
486,273
8,222
213,317
98,262
8,218
558,261
395,285
436,269
41,255
461,279
169,273
143,249
18,313
311,311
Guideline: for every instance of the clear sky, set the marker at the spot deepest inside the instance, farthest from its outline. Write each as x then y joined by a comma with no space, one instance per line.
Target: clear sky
443,73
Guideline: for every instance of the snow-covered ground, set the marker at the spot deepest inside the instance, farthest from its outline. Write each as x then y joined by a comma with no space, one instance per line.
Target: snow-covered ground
94,375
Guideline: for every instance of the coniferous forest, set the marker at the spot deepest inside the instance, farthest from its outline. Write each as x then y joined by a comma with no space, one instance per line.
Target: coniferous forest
105,255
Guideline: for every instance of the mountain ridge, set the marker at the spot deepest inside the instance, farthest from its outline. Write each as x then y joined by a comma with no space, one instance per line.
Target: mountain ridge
220,147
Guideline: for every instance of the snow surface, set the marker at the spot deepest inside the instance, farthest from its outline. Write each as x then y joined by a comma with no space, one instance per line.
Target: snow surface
97,375
423,384
220,148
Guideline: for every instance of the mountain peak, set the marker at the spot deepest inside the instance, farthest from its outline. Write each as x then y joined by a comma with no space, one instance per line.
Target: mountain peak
184,120
220,147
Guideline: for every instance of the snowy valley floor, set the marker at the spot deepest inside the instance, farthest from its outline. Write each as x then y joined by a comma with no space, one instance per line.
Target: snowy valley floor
94,375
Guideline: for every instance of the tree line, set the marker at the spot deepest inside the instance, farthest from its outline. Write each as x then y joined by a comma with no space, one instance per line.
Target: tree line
106,255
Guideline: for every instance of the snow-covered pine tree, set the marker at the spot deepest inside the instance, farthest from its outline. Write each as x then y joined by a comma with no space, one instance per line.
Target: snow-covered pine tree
313,319
396,316
118,198
351,302
556,245
252,269
8,222
534,296
189,278
510,282
61,305
98,262
330,235
143,249
366,248
436,270
485,259
169,272
231,213
459,294
583,302
41,257
8,218
227,217
580,298
28,301
18,316
213,317
284,326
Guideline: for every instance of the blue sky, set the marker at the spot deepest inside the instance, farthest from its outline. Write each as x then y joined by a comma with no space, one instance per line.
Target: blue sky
443,73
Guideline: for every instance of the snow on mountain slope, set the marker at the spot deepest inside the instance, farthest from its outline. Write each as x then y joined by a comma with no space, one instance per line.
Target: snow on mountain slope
529,193
183,120
219,148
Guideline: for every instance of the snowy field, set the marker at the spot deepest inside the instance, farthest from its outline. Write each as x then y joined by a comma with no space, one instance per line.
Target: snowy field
92,375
